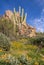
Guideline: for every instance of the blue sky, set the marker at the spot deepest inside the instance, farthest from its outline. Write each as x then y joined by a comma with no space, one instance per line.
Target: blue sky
34,9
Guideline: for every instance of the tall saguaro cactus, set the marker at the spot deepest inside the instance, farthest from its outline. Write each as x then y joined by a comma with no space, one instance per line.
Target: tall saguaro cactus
19,18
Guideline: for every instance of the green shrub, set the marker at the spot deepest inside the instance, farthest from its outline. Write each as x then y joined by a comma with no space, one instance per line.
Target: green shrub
42,51
7,28
5,63
41,62
23,60
4,42
37,41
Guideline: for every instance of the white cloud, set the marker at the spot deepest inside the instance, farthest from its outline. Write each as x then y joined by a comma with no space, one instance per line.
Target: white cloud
39,22
40,29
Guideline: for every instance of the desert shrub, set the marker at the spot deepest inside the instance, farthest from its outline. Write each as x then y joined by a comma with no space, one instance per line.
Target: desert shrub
13,60
5,63
1,53
37,41
4,42
42,51
7,28
41,62
23,60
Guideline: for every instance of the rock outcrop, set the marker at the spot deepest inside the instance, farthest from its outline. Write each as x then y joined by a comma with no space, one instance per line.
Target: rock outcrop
19,20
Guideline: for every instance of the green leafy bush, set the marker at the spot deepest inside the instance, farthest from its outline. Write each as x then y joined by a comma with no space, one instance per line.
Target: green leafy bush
4,42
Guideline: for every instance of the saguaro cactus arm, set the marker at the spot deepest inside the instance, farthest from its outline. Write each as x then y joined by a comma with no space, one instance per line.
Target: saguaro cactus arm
22,14
19,10
25,16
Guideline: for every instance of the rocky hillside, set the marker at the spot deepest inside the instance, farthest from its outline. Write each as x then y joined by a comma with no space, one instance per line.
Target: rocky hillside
18,19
